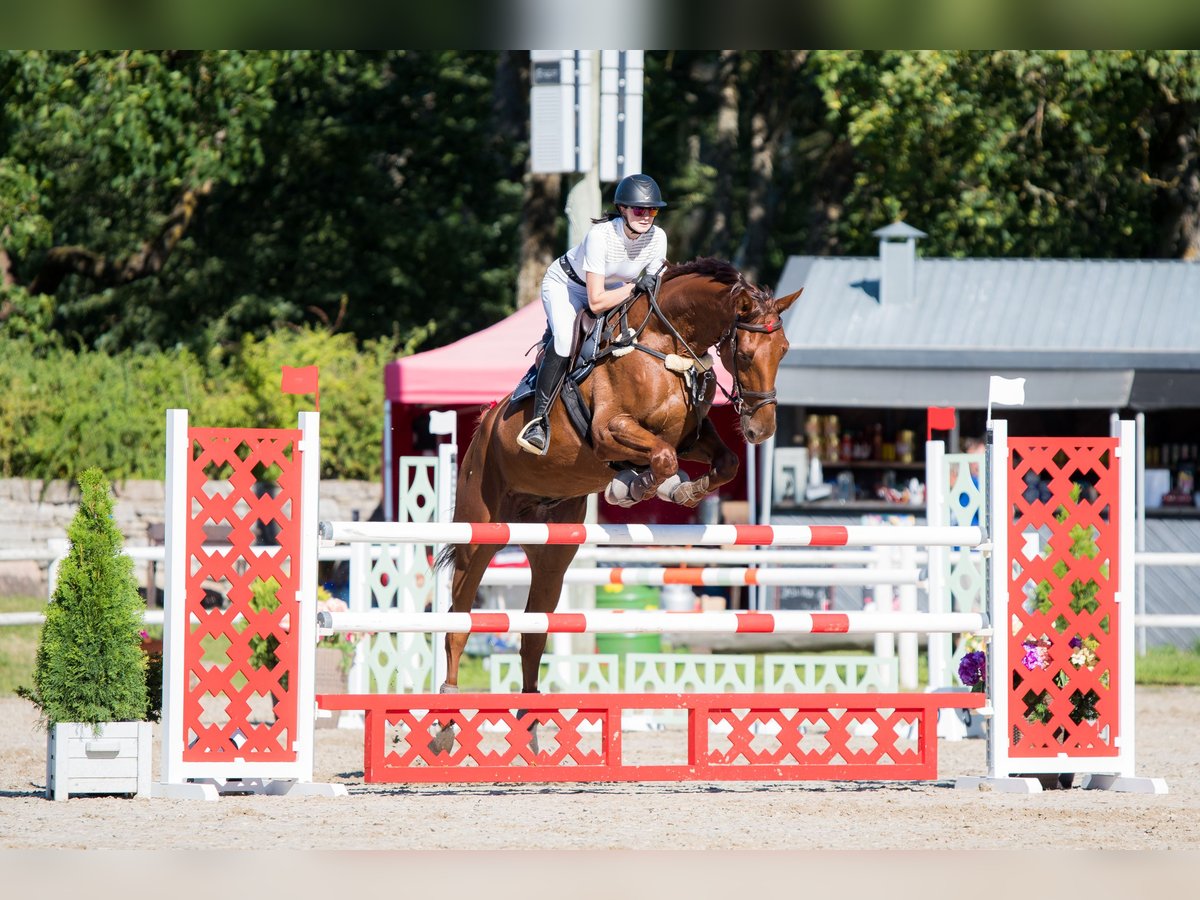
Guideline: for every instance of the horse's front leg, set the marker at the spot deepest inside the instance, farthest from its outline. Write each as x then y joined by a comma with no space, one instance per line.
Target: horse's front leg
722,462
547,565
470,562
623,437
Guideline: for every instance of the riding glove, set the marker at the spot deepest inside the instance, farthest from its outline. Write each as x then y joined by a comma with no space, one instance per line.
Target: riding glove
646,283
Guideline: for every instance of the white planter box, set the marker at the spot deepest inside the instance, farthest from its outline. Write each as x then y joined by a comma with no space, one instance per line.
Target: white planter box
113,758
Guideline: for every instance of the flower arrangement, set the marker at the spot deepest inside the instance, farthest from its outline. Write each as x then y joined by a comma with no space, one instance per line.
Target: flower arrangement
972,671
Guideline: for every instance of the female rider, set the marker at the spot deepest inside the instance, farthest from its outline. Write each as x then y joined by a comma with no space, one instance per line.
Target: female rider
621,254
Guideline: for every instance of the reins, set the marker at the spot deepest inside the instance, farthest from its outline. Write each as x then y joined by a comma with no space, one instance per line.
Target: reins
740,395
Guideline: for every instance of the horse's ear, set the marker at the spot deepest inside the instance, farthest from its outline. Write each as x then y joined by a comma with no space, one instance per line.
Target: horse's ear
784,302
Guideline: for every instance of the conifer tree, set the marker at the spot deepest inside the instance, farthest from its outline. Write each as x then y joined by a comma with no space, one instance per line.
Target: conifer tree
90,666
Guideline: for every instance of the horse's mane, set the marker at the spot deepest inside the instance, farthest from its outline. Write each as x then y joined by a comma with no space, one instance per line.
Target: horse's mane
721,271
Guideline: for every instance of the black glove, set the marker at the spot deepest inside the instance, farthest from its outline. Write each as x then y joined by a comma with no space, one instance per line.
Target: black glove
646,283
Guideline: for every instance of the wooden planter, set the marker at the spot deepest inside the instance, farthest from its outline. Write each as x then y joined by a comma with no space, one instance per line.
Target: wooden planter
113,758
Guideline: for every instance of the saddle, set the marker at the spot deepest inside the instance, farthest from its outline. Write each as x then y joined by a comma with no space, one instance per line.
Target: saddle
592,340
590,335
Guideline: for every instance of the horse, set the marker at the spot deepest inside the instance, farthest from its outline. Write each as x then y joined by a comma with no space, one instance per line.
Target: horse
650,401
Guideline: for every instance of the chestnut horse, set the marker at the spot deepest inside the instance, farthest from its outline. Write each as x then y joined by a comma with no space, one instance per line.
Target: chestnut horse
645,417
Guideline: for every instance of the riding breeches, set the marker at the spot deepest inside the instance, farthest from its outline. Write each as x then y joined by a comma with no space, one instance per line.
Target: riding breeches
562,301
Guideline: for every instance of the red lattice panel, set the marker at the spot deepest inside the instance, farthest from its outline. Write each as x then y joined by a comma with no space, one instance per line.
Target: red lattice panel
1063,591
729,737
228,702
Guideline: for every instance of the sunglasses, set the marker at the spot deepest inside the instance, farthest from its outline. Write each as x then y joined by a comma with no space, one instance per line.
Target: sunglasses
650,211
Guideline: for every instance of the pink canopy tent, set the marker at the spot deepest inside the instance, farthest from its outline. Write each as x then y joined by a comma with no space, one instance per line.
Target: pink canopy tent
479,369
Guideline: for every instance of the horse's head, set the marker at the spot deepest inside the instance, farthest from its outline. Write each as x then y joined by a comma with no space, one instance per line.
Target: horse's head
751,351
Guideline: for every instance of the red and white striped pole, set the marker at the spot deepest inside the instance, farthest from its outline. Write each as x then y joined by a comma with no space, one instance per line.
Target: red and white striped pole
652,535
619,621
714,577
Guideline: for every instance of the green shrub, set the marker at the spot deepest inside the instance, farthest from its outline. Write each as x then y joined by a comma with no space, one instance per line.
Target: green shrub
90,666
70,411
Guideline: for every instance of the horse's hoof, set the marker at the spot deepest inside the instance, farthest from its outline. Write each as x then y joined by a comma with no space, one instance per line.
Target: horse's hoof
531,728
447,688
443,741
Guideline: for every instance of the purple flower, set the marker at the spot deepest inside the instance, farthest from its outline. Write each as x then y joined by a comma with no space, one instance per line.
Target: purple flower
1076,642
1037,655
972,668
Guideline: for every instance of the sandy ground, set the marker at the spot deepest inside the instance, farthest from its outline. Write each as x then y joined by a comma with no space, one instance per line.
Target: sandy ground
698,816
918,825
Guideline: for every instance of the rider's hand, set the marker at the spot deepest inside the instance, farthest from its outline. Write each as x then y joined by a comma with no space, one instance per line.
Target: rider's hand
645,284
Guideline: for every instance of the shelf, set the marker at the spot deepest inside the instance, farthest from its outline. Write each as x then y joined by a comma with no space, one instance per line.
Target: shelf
850,506
874,464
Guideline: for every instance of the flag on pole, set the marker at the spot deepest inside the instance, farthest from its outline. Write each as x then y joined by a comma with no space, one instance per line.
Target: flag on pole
302,380
1005,392
939,418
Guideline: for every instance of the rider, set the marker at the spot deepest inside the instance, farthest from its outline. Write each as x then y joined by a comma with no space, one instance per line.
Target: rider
621,253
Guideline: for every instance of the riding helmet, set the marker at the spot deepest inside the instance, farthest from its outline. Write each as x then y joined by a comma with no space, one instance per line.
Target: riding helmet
638,190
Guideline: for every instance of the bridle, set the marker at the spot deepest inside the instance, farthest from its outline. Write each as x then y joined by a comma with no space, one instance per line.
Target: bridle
740,394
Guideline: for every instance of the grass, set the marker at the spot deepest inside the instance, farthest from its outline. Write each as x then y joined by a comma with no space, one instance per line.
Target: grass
18,646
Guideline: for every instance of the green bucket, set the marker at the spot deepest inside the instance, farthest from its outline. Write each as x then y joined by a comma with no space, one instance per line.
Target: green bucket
634,596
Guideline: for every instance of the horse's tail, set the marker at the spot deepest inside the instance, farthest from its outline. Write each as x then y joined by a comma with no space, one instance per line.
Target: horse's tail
445,557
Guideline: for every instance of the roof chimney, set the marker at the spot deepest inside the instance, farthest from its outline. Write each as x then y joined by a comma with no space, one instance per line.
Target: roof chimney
897,262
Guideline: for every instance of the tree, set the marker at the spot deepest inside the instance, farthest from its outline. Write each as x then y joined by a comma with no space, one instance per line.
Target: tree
90,666
1019,153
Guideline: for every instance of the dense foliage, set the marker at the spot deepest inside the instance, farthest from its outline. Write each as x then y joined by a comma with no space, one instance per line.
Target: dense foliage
90,666
66,410
189,208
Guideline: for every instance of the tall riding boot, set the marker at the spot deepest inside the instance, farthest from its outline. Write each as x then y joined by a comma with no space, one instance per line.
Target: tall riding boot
535,437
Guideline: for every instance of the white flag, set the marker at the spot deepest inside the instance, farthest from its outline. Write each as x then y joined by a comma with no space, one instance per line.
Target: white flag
1006,391
443,422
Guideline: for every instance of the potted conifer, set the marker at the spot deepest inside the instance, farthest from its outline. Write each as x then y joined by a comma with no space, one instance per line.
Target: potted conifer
89,678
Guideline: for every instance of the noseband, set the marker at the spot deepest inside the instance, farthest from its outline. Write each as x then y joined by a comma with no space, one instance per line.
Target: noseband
740,394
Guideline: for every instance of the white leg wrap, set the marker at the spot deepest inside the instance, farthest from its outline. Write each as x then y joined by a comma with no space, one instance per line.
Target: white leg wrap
667,489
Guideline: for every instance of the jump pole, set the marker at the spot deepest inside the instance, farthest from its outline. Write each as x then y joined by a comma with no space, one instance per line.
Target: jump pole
652,535
616,621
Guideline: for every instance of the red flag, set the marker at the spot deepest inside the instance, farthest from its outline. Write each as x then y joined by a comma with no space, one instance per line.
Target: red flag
301,380
941,418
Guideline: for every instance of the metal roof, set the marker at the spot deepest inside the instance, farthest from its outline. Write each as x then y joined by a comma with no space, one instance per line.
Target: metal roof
1090,328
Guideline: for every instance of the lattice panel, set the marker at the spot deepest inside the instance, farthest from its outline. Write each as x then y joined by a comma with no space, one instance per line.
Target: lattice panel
966,577
417,501
1063,637
839,674
240,659
558,673
832,738
575,737
496,738
671,672
401,579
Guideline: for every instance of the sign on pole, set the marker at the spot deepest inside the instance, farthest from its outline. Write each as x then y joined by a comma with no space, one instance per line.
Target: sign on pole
560,111
621,91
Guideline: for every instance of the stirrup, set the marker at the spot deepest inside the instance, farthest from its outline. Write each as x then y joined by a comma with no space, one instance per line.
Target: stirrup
525,444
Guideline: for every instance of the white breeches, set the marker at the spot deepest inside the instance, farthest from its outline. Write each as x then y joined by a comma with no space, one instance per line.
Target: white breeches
562,302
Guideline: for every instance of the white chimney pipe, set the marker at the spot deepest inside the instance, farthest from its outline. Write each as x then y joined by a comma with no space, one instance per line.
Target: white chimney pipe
897,262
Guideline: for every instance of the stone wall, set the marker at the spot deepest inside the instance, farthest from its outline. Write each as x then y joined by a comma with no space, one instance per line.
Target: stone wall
32,513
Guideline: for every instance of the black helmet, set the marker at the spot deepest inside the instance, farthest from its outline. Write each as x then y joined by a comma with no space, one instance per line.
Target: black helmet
638,190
